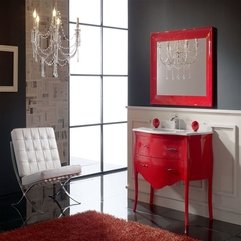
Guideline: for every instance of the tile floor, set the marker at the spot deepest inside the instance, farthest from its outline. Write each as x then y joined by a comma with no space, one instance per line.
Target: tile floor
108,194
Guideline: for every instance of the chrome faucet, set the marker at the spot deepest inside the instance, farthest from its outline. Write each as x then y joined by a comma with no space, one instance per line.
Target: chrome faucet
174,118
177,121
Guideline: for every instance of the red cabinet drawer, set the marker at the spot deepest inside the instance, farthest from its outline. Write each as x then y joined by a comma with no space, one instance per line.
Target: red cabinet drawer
159,172
143,145
171,165
166,147
165,172
143,165
142,161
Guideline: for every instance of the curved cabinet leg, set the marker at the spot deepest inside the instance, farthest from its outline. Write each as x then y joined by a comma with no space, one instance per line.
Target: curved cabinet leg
136,190
186,199
210,201
151,197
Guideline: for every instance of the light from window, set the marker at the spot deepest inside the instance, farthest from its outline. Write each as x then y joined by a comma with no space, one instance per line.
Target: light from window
115,57
89,51
83,141
114,99
115,13
115,147
85,98
88,11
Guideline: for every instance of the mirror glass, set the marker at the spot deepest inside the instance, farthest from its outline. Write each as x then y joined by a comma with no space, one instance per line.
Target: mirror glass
181,67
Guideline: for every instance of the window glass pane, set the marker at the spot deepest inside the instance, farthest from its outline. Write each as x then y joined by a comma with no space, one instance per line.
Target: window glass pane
85,148
115,146
88,11
89,104
115,59
89,51
115,13
84,97
114,99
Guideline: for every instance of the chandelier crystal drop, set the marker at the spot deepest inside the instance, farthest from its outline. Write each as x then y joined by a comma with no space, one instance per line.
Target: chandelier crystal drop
177,56
52,48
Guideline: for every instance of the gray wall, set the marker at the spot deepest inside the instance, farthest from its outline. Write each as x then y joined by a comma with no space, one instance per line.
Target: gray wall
146,16
12,104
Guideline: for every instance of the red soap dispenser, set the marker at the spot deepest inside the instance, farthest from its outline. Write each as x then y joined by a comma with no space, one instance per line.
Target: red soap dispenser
195,125
156,122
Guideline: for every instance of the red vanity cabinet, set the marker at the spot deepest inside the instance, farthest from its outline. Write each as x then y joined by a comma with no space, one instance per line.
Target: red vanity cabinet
164,159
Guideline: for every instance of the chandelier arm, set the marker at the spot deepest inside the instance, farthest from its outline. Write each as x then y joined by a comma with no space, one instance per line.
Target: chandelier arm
44,53
68,52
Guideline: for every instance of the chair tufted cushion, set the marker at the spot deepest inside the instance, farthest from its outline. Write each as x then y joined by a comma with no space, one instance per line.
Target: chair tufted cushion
37,155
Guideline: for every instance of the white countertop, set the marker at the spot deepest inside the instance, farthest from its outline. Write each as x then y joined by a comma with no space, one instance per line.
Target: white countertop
165,131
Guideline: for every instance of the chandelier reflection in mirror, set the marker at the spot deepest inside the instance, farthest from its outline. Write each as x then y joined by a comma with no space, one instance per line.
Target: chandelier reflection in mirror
52,48
177,57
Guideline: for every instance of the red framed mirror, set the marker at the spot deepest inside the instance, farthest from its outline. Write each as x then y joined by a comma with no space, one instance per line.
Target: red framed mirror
182,67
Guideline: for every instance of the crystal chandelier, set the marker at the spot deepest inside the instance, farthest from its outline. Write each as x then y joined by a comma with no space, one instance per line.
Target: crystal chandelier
52,48
177,56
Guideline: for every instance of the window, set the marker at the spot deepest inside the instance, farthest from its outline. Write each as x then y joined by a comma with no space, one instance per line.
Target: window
98,85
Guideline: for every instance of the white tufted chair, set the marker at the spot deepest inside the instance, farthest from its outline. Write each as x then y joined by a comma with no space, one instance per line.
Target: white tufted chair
36,159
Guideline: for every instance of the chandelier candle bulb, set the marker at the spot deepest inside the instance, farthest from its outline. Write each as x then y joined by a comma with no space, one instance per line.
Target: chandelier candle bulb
34,13
36,19
54,13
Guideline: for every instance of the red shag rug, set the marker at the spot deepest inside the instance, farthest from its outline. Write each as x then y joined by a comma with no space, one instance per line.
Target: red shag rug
90,226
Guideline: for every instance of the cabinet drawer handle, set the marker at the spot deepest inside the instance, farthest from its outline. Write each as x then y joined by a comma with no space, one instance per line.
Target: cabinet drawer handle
144,165
171,170
171,149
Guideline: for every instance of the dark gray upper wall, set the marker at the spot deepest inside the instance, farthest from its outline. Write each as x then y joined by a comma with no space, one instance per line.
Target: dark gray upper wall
12,104
146,16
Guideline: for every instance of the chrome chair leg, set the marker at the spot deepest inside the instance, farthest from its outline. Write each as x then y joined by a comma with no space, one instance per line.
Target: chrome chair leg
62,187
56,194
67,193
